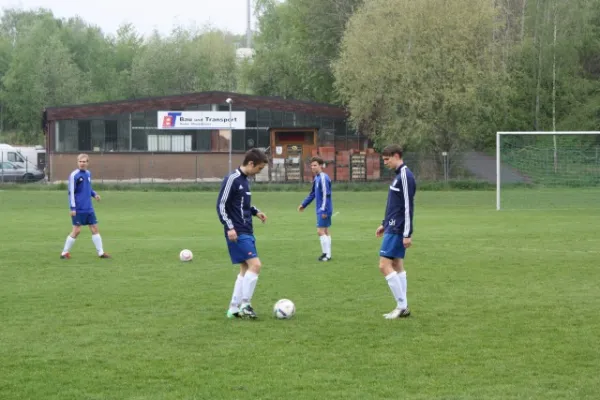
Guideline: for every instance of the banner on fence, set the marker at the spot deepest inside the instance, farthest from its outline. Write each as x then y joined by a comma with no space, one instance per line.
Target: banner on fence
201,120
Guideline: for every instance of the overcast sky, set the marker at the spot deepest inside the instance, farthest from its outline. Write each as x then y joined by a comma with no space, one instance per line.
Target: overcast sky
146,15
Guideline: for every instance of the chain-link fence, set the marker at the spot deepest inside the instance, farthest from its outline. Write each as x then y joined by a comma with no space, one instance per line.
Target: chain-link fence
341,166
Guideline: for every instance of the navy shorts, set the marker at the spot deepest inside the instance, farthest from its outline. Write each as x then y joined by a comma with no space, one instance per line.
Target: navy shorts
242,250
82,218
323,222
392,246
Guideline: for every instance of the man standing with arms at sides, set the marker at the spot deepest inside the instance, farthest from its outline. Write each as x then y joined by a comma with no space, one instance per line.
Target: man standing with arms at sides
397,228
82,210
235,212
321,190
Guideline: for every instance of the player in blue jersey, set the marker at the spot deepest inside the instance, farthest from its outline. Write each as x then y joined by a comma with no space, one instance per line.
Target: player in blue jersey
235,212
397,229
81,207
321,191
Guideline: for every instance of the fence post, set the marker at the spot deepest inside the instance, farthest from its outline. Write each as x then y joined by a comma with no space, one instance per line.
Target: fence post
445,161
196,168
139,169
334,165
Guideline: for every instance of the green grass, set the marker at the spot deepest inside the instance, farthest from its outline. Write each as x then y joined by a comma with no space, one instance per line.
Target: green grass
505,304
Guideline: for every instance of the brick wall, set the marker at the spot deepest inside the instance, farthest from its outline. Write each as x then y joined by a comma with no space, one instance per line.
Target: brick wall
147,166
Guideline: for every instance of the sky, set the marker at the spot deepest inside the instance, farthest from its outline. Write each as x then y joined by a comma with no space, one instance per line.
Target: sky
146,15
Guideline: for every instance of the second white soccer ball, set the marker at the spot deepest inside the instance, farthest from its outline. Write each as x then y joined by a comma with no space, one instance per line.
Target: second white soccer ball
284,309
186,255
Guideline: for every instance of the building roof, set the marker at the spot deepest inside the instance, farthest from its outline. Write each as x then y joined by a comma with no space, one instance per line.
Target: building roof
181,101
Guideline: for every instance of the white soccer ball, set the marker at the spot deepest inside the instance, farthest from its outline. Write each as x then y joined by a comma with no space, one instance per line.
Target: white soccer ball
186,255
284,309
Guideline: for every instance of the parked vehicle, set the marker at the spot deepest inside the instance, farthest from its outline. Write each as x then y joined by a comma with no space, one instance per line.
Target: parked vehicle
11,172
27,157
35,155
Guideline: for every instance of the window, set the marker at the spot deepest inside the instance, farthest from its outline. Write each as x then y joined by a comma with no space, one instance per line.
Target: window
300,119
67,135
340,127
14,157
84,130
170,143
139,140
151,118
276,118
264,140
264,118
98,135
203,141
289,119
327,123
111,135
251,118
239,140
138,120
251,138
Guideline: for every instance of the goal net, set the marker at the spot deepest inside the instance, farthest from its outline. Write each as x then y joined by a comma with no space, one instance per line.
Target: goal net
547,170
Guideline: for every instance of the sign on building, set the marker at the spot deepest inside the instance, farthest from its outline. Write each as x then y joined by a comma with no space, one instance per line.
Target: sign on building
201,120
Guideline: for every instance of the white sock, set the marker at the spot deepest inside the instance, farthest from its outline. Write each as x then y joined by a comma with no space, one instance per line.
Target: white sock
68,244
323,240
396,287
328,246
248,286
402,276
98,243
236,297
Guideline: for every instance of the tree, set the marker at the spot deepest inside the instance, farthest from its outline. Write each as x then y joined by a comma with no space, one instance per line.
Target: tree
41,73
415,72
296,45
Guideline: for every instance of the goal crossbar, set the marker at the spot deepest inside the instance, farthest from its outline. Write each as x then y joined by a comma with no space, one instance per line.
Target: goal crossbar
547,133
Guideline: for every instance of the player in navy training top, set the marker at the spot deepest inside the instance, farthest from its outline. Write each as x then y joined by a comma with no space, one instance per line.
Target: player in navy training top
81,207
321,191
397,229
235,212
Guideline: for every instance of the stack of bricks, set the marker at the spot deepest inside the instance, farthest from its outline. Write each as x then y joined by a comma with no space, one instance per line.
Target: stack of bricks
342,164
373,161
328,155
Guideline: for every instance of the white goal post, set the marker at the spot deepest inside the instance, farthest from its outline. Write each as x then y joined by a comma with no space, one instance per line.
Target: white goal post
526,133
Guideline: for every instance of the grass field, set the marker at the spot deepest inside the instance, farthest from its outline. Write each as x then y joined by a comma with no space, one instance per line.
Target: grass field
505,304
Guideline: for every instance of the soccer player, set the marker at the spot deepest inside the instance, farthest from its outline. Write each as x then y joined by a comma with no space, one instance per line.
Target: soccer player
235,212
397,228
321,190
82,210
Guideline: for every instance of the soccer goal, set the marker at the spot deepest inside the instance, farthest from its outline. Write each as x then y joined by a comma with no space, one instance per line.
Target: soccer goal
563,167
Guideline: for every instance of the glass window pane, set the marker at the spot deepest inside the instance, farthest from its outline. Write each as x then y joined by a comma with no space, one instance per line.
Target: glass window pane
251,138
239,142
139,140
84,128
327,123
251,117
123,133
276,118
67,135
289,119
263,138
151,118
138,119
264,118
203,141
98,135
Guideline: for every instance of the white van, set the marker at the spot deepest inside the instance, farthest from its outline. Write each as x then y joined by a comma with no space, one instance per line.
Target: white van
26,157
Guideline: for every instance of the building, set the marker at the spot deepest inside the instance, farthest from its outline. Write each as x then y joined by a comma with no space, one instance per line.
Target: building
125,144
